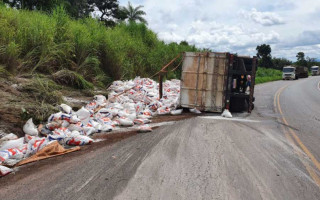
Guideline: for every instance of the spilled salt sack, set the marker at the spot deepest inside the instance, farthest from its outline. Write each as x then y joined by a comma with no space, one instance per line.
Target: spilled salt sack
59,138
30,129
61,131
35,145
13,153
115,123
132,116
74,119
122,113
65,124
226,113
95,124
10,136
5,170
105,121
76,127
84,115
91,106
11,162
163,110
89,130
194,110
55,117
106,128
100,99
27,138
78,140
144,129
125,121
142,116
74,134
104,112
18,143
141,121
139,107
114,111
54,124
154,106
65,108
176,112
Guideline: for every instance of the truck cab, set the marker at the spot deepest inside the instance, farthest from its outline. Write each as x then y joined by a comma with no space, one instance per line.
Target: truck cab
289,73
315,70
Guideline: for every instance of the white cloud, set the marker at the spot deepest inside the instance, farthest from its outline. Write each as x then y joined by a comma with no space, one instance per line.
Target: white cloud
263,18
289,26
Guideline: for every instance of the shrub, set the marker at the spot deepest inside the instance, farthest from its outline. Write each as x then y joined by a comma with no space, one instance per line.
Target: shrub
43,90
33,42
71,78
266,75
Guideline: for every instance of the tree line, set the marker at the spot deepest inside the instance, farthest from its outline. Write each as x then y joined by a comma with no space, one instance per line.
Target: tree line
267,61
107,11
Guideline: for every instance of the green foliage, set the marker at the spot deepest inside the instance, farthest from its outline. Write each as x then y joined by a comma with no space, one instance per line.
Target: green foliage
312,62
301,61
71,78
3,72
38,111
266,75
264,53
134,14
45,5
279,63
33,42
43,90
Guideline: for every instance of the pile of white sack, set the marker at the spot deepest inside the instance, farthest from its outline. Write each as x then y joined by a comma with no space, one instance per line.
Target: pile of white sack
129,103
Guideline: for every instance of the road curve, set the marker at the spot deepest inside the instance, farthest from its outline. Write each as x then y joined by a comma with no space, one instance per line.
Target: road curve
270,154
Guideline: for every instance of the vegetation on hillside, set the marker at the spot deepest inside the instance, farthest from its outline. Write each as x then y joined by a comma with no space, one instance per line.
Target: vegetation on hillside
266,75
34,42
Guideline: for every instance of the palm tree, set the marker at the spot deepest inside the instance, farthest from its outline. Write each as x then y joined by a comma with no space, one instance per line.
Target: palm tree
134,14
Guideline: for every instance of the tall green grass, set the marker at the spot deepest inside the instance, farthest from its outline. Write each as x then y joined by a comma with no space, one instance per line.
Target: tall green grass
266,75
35,42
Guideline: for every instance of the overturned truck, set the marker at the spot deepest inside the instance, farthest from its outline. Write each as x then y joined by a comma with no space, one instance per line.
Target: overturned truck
214,81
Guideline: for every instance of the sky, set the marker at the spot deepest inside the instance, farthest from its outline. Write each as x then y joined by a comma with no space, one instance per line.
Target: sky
288,26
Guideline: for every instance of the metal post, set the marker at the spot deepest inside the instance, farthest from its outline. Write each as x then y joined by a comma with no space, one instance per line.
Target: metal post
160,85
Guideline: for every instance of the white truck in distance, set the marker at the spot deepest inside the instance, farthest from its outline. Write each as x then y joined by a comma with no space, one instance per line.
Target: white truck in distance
315,70
288,73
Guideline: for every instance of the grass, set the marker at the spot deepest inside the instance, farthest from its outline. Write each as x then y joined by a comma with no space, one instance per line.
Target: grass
264,75
3,72
35,42
43,90
71,78
38,111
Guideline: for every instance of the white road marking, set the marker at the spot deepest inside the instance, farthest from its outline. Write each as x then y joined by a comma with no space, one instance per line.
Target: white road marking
230,119
318,86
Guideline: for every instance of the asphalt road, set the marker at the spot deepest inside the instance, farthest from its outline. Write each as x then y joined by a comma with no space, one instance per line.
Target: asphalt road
271,154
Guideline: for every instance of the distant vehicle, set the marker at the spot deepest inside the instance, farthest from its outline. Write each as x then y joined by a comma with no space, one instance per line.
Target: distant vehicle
289,73
292,73
315,71
302,72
